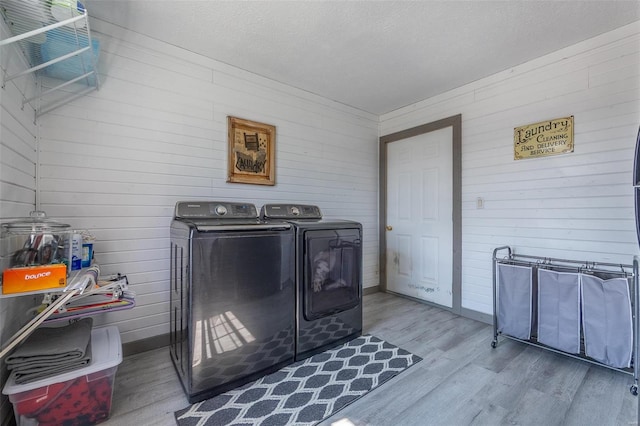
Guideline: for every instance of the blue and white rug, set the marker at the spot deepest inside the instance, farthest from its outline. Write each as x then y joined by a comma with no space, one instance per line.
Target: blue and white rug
306,392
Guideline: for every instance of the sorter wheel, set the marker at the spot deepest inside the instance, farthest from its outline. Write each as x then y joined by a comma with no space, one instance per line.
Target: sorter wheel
494,344
634,390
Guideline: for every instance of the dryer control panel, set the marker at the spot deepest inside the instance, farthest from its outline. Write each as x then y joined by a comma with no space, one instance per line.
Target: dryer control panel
215,209
290,211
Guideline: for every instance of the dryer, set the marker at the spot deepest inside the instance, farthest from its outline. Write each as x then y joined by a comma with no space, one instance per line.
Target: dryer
328,276
232,296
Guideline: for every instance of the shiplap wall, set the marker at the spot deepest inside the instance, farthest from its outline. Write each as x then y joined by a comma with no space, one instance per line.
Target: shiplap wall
18,157
573,206
116,161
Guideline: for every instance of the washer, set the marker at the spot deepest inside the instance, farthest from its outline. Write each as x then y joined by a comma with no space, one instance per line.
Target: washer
328,263
232,296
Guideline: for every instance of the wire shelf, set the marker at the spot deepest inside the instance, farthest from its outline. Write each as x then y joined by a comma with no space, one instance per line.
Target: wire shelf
55,41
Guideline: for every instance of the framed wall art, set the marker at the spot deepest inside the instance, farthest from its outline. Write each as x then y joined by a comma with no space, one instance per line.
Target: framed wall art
252,152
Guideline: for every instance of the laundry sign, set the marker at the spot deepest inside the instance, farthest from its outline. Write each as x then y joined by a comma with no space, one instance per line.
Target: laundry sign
545,138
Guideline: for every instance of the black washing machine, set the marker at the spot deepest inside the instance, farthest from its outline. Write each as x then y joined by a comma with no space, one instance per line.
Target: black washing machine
232,296
328,271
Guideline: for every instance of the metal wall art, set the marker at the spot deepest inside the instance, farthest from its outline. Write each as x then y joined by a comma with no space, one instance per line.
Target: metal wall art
545,138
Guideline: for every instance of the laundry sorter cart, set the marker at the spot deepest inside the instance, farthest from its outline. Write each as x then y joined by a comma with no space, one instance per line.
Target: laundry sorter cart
581,309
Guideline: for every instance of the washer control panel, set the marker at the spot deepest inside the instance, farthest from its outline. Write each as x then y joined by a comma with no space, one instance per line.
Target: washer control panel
215,209
290,211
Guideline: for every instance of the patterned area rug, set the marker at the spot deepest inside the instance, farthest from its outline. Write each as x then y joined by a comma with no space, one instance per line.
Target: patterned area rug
306,392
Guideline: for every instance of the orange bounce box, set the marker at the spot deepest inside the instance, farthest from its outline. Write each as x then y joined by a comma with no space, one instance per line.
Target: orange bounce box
32,278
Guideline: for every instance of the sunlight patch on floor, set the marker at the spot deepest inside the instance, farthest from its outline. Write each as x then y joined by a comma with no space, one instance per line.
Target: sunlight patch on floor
343,422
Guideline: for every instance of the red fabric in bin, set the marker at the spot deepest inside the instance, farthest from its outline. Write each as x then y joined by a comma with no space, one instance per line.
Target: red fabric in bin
77,403
102,392
68,405
33,401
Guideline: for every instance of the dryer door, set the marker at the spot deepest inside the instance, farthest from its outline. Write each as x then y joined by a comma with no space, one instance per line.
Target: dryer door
332,272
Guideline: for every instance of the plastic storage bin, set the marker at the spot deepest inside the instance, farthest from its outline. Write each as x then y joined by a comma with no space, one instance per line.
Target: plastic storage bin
61,41
80,397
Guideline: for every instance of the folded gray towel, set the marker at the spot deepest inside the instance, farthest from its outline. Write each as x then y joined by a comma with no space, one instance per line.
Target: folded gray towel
30,373
32,367
48,350
53,344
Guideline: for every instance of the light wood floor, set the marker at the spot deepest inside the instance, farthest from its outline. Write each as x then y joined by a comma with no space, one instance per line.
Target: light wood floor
460,381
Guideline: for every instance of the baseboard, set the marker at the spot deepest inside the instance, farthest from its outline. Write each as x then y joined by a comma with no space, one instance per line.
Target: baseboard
478,316
144,345
370,290
464,312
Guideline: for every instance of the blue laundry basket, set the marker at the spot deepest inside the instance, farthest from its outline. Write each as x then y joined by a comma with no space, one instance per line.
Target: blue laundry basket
61,41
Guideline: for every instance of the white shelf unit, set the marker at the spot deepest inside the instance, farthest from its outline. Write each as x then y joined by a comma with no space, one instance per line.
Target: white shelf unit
59,54
81,283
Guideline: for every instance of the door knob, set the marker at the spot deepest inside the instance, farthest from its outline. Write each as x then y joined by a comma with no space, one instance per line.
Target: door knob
389,228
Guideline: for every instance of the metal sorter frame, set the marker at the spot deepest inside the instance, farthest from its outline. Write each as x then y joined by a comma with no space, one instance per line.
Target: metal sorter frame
622,270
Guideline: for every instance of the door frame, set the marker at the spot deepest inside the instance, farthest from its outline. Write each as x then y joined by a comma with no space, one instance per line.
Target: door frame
455,122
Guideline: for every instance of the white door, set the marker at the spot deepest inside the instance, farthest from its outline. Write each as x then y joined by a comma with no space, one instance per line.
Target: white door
420,217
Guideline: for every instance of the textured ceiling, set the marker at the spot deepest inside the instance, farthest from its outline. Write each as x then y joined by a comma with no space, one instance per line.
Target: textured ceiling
377,56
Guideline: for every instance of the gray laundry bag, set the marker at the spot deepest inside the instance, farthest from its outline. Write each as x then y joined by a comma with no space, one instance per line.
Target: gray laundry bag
607,320
559,310
515,295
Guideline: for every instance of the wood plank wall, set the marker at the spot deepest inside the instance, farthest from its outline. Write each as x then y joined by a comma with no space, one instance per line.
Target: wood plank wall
574,206
116,161
18,157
